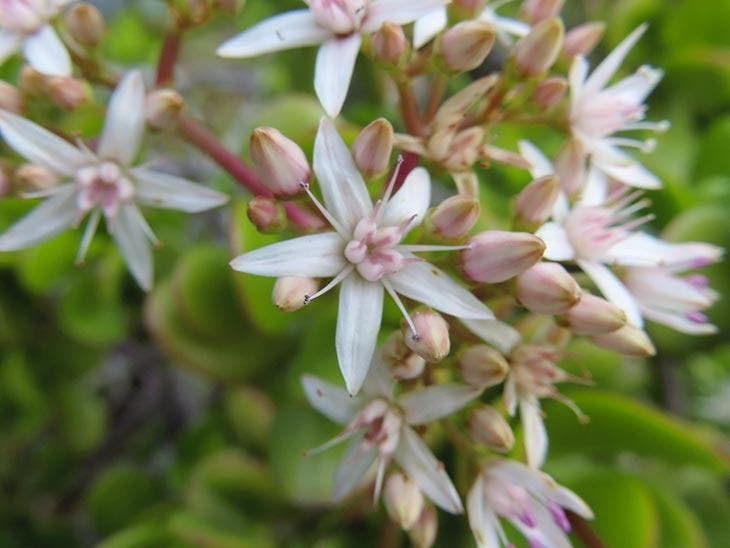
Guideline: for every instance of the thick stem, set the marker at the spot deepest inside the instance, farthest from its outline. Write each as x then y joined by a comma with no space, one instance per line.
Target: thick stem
584,532
409,109
168,58
303,218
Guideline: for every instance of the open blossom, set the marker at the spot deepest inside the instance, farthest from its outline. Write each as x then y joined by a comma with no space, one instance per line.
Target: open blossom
364,254
102,183
339,26
529,499
24,25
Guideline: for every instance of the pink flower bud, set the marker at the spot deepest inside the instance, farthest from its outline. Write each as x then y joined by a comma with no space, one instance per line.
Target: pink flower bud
454,217
547,288
534,11
468,8
535,202
31,177
628,340
31,81
570,167
535,53
488,426
266,214
431,340
68,92
550,92
278,161
372,148
495,255
389,43
456,152
6,183
423,533
163,108
10,98
593,316
582,39
85,24
482,366
465,45
403,500
290,291
401,361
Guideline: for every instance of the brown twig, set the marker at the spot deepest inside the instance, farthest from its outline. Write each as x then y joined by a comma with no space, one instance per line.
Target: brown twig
168,59
584,532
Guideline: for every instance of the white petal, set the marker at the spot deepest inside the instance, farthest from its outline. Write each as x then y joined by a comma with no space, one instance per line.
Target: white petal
358,323
412,199
569,500
631,173
416,459
44,221
400,12
481,518
499,334
125,119
316,255
536,441
613,290
378,381
128,229
557,245
577,78
608,67
595,189
428,26
284,31
330,400
157,189
505,26
435,402
423,282
343,188
636,87
561,209
637,249
9,44
40,146
333,71
679,322
46,53
541,166
354,464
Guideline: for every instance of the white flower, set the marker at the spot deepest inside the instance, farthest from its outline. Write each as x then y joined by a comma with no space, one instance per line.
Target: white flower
99,183
339,26
24,24
364,253
379,426
529,499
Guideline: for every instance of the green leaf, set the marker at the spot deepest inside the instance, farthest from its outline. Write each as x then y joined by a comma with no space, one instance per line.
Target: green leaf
193,530
143,535
679,526
82,418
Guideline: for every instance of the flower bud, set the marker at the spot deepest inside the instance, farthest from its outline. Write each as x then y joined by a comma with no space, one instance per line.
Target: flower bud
6,183
85,24
278,161
431,340
10,98
266,214
32,177
163,108
534,11
290,291
535,202
593,316
495,255
550,92
372,148
629,341
456,153
547,288
423,533
582,39
68,92
31,81
468,8
190,13
400,360
454,217
466,45
389,43
231,6
403,500
482,366
489,427
570,167
535,53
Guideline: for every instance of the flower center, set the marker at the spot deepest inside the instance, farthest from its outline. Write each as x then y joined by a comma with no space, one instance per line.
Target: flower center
103,185
339,16
372,249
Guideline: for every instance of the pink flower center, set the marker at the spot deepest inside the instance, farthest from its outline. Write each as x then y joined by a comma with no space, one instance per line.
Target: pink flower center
372,249
510,501
103,185
339,16
382,425
605,114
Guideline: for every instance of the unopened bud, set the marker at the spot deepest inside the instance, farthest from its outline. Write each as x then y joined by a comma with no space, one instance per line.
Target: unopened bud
431,339
570,167
629,341
534,11
266,214
190,12
483,366
593,316
423,533
33,177
85,24
457,153
10,98
401,361
372,148
6,183
231,6
535,53
454,217
278,161
466,45
31,81
389,43
547,288
468,8
489,427
582,39
403,500
290,292
550,92
535,202
495,255
68,92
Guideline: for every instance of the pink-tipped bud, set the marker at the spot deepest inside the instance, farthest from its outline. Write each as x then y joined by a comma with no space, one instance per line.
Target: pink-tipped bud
67,92
403,500
389,44
496,255
550,92
85,24
10,98
629,341
33,177
290,292
454,217
535,202
31,81
534,11
483,366
423,533
431,340
466,45
163,108
594,316
266,214
570,167
489,427
6,182
372,148
278,161
582,39
401,361
535,53
547,288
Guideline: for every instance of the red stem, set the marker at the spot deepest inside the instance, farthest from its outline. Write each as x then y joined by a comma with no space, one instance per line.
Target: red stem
168,58
584,532
409,110
303,218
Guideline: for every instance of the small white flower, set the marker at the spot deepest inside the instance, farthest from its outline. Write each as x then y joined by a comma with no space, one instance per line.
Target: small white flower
339,26
24,25
101,183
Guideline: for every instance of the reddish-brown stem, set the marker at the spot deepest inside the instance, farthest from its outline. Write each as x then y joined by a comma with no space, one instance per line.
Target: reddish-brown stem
303,218
168,58
584,532
438,88
409,109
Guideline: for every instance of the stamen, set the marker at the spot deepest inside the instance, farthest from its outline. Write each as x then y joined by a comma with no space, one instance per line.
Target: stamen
89,231
383,202
382,462
659,127
637,206
326,214
344,273
339,438
44,193
646,146
142,222
389,288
